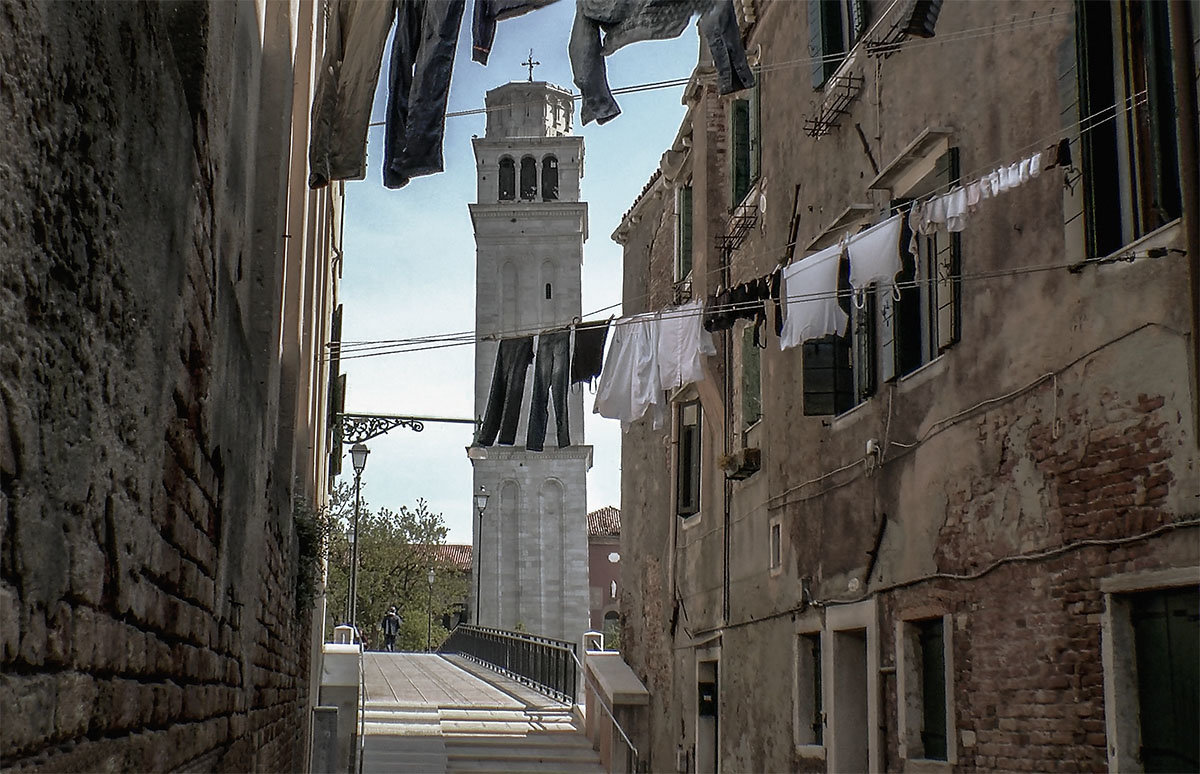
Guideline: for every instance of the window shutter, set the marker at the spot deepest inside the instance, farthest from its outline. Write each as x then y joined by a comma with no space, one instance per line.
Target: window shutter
684,224
756,130
751,379
1068,102
740,141
886,332
335,365
1160,108
860,14
816,43
863,334
947,288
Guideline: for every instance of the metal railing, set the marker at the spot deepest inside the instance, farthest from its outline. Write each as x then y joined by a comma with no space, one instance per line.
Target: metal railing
542,663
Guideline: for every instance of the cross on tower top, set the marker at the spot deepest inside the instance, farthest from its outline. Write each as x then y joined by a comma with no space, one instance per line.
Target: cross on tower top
530,64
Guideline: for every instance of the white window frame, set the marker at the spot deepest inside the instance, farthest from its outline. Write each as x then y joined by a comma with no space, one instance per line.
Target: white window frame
1122,716
860,616
908,691
775,545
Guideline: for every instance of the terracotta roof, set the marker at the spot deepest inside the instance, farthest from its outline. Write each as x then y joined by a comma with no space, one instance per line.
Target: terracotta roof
654,176
604,521
457,555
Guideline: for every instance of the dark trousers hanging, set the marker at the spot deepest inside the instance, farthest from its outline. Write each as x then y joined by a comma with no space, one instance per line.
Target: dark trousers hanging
508,387
550,374
418,87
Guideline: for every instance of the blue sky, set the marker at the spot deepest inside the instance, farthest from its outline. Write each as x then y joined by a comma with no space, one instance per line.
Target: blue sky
410,258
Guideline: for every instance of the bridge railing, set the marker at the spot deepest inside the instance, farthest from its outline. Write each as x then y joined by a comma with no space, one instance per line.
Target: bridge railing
542,663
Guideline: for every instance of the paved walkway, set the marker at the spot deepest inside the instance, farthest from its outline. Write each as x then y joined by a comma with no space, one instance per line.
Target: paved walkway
433,714
435,681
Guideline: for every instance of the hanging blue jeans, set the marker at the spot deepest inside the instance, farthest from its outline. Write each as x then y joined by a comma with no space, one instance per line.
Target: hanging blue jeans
418,86
628,21
550,374
503,411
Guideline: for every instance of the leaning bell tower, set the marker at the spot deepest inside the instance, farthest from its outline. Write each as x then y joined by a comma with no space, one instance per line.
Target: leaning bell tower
530,544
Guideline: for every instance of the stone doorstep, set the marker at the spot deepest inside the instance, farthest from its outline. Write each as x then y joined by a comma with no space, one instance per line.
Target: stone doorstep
488,767
400,729
522,753
539,739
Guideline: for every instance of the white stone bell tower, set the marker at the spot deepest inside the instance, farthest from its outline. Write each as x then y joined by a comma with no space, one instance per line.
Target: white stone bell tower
530,547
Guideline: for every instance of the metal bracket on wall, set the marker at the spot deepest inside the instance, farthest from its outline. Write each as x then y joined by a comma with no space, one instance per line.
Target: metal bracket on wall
840,92
356,428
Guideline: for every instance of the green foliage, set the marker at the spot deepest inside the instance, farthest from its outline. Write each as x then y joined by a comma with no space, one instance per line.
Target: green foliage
313,527
395,553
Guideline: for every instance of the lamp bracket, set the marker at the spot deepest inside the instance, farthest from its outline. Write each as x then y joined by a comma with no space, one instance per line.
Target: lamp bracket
356,428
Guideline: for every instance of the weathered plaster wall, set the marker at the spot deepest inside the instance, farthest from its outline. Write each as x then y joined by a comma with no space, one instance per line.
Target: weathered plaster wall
1062,415
148,613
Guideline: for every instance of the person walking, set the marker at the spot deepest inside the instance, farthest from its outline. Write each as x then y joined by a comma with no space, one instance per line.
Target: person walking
391,627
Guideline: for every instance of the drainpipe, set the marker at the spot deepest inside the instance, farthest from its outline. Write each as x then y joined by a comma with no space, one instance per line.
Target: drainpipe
1185,116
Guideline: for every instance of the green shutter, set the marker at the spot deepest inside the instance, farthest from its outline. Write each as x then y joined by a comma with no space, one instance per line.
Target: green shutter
751,379
685,231
756,129
816,43
1166,627
933,689
739,119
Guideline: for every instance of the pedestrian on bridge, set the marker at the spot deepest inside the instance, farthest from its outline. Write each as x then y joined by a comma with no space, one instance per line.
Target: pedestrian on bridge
391,627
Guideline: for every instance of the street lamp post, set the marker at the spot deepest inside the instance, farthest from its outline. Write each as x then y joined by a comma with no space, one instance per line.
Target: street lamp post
429,623
481,500
358,457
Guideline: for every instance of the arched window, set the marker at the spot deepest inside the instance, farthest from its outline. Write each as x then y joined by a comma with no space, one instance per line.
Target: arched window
528,178
549,179
508,179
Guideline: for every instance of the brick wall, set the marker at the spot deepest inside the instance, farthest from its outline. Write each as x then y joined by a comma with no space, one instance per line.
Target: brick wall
148,618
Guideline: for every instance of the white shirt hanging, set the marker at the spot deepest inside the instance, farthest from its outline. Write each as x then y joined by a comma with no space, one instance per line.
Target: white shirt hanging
681,342
629,383
875,253
810,287
956,209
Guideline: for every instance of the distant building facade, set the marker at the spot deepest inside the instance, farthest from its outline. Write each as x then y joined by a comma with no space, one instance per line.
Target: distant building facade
962,535
604,570
531,541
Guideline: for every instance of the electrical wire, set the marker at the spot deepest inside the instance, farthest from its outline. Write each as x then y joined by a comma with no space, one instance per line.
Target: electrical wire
973,33
357,350
352,349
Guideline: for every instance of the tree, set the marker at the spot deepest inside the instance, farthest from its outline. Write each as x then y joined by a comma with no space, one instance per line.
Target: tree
396,550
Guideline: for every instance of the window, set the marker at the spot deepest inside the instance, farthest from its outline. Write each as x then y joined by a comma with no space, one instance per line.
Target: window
1152,687
834,26
508,179
528,178
1131,174
683,232
926,706
745,153
810,716
926,320
687,490
751,379
836,378
549,291
776,545
549,179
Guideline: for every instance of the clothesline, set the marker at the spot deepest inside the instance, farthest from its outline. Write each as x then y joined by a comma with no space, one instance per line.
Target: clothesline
974,33
395,346
354,350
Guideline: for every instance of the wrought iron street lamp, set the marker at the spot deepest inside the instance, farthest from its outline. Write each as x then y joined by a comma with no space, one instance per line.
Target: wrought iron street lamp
481,501
358,457
429,625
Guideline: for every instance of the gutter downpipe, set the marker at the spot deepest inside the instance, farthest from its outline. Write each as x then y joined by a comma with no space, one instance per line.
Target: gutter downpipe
1185,116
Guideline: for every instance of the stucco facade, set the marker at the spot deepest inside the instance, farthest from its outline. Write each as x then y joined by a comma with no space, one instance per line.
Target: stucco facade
168,295
998,500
